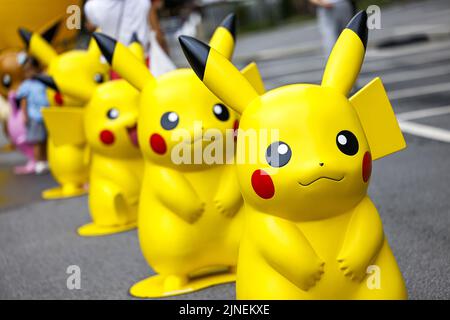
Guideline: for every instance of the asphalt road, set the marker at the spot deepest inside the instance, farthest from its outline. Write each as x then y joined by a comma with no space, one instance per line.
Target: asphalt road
411,188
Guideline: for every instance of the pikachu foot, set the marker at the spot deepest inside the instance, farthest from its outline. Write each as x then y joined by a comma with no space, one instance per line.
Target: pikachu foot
159,286
62,193
9,147
94,230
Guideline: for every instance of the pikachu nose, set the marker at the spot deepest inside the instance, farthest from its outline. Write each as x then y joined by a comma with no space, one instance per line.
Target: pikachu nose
321,164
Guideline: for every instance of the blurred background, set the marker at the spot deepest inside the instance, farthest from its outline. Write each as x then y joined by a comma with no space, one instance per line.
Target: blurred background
410,52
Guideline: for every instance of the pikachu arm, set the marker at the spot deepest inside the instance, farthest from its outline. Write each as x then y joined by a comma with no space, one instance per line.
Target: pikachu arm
107,196
287,250
120,181
228,198
363,240
177,194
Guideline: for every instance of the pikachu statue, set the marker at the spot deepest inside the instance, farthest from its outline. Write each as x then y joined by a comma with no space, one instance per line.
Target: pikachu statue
189,221
11,76
108,125
312,232
69,163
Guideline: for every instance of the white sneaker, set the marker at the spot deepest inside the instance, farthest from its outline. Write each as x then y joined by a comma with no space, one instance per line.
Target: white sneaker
41,167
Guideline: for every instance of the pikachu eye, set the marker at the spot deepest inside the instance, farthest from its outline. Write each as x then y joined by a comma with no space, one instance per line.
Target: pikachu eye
6,80
221,112
278,154
98,77
112,113
347,143
169,120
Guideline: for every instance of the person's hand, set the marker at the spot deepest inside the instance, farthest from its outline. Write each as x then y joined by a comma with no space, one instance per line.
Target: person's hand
322,3
157,4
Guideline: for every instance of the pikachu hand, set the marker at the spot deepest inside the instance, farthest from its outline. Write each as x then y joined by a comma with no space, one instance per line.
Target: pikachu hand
353,266
226,206
192,211
310,274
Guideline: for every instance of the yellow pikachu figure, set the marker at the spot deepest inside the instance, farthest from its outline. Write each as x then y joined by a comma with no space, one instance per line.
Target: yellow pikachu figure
189,223
69,163
108,124
311,232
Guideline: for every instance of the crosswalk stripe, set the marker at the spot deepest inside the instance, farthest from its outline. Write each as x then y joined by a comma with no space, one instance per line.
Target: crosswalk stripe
419,91
425,131
423,113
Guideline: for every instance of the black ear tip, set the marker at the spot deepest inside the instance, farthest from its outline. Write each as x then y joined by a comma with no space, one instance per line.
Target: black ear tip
49,34
358,24
196,53
134,38
25,35
229,23
106,44
47,80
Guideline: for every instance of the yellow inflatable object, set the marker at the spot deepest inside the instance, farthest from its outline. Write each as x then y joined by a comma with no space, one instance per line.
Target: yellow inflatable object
108,124
312,232
189,220
69,163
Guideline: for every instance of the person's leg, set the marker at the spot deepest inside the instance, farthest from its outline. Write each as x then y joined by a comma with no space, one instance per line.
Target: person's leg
38,151
328,28
37,135
344,13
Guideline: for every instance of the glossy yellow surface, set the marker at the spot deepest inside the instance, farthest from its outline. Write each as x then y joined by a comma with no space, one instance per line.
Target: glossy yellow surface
69,163
107,124
189,220
315,234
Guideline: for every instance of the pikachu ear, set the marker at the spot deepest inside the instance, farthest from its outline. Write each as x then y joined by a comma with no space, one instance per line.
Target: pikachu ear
224,38
136,47
38,47
72,89
218,74
50,33
252,74
65,125
124,62
47,80
93,49
347,56
378,119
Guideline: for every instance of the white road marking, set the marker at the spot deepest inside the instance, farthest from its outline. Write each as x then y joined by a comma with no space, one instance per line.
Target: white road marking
425,131
376,54
419,91
423,113
392,78
290,70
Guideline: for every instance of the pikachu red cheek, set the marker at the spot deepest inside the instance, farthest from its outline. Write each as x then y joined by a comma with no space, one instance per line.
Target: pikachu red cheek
262,184
235,129
58,99
158,144
107,137
367,166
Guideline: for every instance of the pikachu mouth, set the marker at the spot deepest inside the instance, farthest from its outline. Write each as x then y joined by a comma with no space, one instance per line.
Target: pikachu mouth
320,178
132,134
